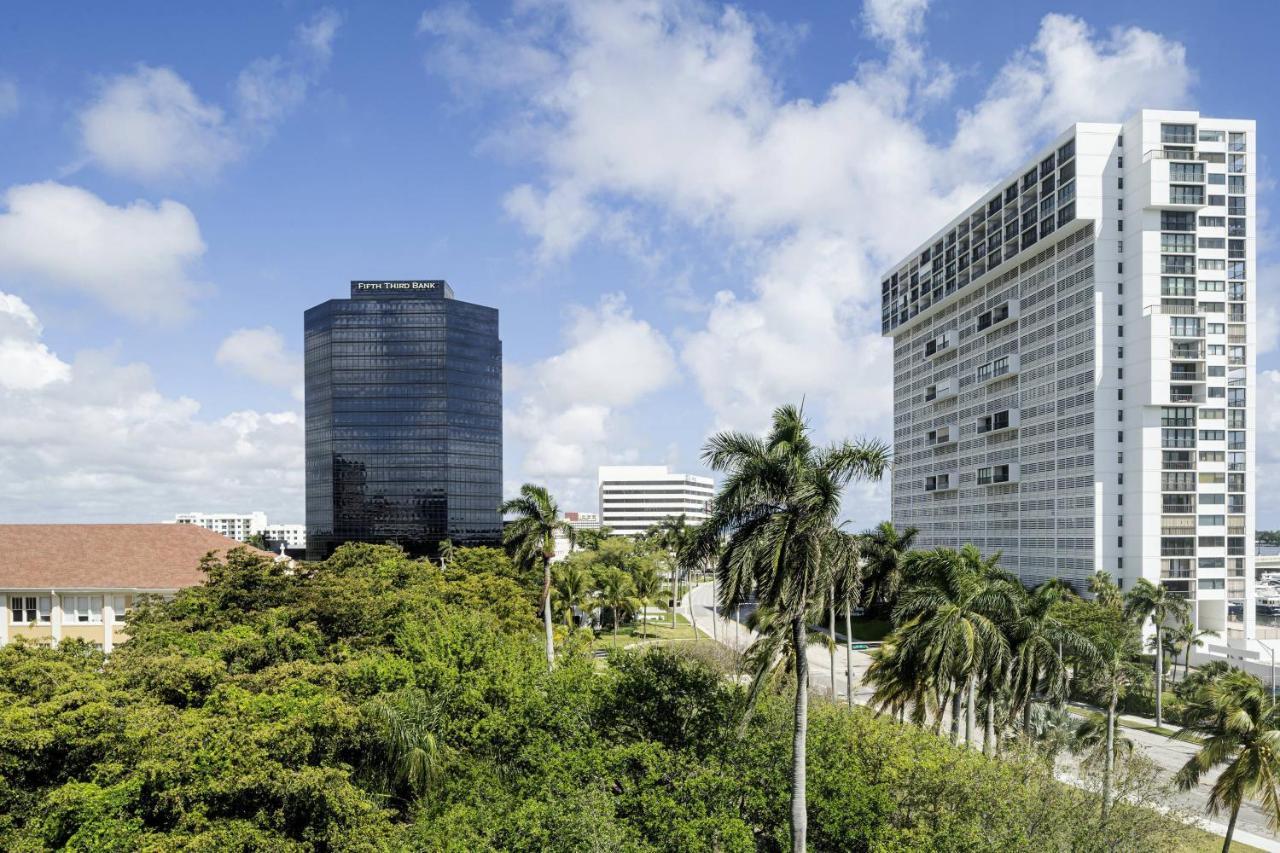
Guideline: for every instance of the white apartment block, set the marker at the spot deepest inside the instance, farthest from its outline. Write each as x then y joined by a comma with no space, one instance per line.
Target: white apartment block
241,526
633,498
1074,365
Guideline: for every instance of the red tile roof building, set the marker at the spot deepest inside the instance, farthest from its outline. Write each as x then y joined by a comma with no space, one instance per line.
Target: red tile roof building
78,580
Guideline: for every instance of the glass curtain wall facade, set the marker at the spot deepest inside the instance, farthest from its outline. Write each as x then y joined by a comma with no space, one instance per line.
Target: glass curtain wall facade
403,419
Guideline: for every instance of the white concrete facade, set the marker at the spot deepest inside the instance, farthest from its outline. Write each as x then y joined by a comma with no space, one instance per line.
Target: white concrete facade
1074,365
633,498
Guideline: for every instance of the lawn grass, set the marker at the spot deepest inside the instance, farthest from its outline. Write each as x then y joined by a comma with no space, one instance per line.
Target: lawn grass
656,630
1176,734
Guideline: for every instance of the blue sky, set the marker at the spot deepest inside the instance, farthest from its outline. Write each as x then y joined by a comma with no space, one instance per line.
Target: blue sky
680,208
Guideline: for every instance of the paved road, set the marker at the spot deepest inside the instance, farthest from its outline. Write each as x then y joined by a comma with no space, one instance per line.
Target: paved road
1169,755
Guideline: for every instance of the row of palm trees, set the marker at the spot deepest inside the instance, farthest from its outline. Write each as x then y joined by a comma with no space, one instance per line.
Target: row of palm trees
969,640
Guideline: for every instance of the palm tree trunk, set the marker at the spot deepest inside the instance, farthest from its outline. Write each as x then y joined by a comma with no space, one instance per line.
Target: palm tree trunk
969,711
1109,764
989,730
1159,673
546,613
831,624
799,801
1231,828
955,717
675,597
1026,717
848,650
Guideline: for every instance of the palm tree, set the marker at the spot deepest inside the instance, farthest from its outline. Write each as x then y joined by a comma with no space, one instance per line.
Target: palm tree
1105,591
846,569
407,758
1186,637
771,656
530,538
1155,602
674,536
1241,729
777,504
1039,639
692,558
1089,739
898,685
883,550
949,616
446,553
647,585
1112,678
618,593
572,588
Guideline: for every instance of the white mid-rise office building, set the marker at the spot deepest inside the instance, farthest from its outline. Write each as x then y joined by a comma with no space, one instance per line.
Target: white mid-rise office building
633,498
1074,363
242,525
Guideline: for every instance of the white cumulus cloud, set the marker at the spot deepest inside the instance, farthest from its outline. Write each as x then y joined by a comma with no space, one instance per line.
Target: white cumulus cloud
570,409
136,259
26,364
95,436
150,125
669,111
262,355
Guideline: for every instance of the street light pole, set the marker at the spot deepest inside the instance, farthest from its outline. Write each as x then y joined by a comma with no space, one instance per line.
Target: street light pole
1272,650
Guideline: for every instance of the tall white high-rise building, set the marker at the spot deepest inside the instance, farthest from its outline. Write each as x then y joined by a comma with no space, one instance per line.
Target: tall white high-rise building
1074,365
633,498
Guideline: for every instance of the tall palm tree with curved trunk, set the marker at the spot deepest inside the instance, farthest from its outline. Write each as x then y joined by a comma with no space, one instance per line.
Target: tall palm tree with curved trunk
1155,602
949,618
530,538
1240,728
883,549
777,504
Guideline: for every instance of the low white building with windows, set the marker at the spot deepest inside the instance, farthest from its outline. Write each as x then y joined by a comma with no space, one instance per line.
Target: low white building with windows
79,581
633,498
241,525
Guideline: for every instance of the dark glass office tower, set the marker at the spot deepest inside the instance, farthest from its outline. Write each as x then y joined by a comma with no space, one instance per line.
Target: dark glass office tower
404,419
